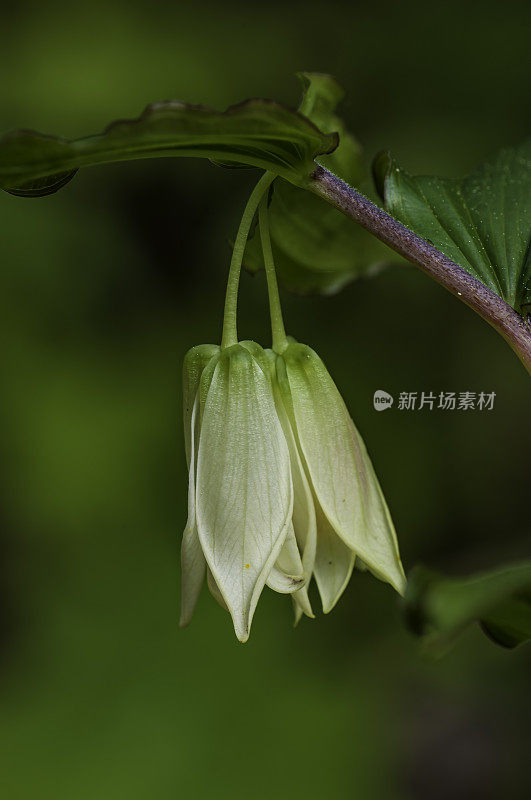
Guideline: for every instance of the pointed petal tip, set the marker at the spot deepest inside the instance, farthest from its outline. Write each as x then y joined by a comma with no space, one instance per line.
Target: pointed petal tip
304,614
395,577
242,626
401,584
329,603
396,580
186,612
300,613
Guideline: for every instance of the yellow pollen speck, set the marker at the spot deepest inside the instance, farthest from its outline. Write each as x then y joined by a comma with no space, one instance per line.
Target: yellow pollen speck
247,566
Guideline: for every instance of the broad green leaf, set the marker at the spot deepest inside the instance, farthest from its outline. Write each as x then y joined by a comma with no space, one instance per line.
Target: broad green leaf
259,133
482,222
440,608
316,248
321,96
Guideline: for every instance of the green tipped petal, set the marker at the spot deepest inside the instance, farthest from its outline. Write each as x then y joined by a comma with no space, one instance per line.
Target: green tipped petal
244,493
340,470
192,558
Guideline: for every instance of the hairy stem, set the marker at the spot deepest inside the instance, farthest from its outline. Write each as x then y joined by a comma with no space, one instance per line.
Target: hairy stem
461,283
277,323
230,330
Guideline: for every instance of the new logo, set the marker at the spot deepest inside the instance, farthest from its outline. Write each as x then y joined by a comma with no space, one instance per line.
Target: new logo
382,400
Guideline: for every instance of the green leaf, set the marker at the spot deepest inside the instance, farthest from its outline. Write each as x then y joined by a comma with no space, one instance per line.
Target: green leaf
317,248
259,133
321,96
482,222
440,608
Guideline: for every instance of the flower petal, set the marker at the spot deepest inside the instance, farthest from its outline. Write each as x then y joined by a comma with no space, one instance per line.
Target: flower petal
192,558
287,575
301,603
334,562
340,470
304,524
244,491
213,588
194,363
298,612
282,582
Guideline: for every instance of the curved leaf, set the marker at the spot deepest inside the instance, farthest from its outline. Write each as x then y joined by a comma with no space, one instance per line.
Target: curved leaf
440,608
259,133
316,247
482,222
321,96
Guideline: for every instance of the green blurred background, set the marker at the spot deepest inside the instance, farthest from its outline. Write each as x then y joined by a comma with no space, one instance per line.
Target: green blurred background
104,287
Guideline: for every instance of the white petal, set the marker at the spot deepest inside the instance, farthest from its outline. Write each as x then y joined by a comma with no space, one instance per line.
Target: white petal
194,363
214,590
305,528
302,603
298,611
333,563
283,582
244,491
340,469
287,575
192,558
303,513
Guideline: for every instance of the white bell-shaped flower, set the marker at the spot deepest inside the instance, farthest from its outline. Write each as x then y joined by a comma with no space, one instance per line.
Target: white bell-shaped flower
240,488
336,483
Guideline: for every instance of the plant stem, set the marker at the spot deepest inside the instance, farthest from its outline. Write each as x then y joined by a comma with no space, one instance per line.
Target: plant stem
230,331
277,323
457,280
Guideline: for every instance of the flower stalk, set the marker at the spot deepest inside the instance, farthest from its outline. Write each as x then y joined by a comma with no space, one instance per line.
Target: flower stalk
278,332
230,329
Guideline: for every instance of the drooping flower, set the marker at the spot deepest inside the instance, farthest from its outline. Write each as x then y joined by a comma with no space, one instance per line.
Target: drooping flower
280,485
334,479
281,488
240,500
